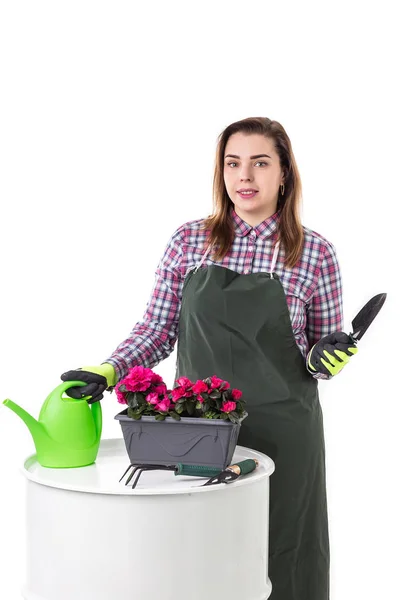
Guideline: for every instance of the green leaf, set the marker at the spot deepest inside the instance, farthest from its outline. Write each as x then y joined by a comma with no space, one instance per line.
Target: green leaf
141,398
232,418
224,416
134,414
134,399
215,394
210,414
175,415
190,408
160,417
179,409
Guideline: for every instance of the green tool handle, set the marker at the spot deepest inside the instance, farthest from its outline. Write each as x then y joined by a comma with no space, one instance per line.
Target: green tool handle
196,470
246,466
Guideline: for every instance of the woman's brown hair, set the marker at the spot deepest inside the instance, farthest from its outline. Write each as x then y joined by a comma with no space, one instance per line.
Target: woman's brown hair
290,231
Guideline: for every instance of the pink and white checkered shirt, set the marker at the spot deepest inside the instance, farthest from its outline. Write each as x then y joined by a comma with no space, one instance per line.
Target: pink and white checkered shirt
313,288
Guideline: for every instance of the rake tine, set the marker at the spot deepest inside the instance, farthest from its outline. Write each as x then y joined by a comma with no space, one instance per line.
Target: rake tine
125,472
132,474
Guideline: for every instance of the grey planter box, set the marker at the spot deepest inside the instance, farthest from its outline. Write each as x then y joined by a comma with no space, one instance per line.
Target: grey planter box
194,441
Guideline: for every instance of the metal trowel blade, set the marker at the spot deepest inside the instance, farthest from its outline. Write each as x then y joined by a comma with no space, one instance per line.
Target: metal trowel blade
367,314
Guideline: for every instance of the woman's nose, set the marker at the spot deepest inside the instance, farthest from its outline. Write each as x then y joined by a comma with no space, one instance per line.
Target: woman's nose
245,173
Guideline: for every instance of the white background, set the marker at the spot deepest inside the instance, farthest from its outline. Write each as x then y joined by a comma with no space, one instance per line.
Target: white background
110,113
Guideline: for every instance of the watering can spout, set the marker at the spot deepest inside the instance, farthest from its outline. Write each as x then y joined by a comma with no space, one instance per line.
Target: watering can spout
37,430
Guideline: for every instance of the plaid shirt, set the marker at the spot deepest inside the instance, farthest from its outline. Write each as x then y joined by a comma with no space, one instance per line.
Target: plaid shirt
313,288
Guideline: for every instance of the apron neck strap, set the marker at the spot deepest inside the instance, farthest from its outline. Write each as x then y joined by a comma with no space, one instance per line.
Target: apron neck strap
203,259
273,262
274,258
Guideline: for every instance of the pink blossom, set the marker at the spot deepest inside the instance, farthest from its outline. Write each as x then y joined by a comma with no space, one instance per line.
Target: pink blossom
160,389
228,406
138,379
155,378
184,382
177,393
218,383
164,404
135,386
152,398
236,394
120,396
140,372
200,386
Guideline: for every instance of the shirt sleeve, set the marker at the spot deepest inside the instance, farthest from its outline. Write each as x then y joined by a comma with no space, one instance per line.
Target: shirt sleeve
153,338
325,309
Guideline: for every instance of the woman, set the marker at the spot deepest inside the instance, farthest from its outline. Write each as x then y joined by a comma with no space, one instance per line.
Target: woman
254,297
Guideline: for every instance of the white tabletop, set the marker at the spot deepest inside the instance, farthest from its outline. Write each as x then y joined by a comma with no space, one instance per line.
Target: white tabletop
112,460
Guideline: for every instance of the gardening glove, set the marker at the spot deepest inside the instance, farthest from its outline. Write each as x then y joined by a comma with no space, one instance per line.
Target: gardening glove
331,354
97,378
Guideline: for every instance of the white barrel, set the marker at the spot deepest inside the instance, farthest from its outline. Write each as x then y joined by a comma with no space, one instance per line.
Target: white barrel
91,537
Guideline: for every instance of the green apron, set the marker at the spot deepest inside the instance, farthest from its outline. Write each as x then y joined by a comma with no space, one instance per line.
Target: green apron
238,328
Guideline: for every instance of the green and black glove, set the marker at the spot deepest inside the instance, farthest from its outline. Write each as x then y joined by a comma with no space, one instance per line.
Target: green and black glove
98,379
331,353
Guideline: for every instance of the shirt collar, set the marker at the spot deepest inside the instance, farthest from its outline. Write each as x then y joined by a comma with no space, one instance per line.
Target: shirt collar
264,229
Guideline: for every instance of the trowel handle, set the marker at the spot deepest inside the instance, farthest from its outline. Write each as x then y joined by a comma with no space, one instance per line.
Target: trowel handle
196,470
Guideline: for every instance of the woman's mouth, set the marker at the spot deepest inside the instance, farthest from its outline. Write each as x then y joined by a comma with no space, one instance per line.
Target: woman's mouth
247,194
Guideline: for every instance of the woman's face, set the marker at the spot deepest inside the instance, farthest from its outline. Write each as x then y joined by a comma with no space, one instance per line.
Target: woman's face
244,168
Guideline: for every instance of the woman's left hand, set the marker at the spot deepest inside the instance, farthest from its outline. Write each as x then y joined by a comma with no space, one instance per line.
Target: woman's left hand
331,353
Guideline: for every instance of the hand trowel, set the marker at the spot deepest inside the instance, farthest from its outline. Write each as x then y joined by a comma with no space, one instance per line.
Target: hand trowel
364,318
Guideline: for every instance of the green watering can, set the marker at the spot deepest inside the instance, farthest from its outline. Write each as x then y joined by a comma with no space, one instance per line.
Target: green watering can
68,431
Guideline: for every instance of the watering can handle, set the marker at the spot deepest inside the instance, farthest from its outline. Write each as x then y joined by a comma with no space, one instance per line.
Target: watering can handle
68,384
95,407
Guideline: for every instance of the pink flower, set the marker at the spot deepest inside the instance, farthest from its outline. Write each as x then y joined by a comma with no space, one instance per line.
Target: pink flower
177,393
164,405
152,398
120,396
135,386
138,379
228,406
236,394
160,389
200,386
156,379
184,382
218,383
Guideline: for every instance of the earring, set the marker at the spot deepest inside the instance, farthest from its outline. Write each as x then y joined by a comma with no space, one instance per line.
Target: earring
282,189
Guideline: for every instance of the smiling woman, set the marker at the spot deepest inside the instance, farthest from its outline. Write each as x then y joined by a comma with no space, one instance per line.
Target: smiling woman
249,178
275,182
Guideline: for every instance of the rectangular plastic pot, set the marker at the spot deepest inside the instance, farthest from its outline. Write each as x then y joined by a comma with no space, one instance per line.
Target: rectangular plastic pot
194,441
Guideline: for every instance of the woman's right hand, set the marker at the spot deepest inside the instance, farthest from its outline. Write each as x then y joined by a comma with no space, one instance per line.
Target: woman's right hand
97,378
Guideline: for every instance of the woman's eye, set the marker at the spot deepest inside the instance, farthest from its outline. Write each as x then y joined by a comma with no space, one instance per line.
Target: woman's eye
259,162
